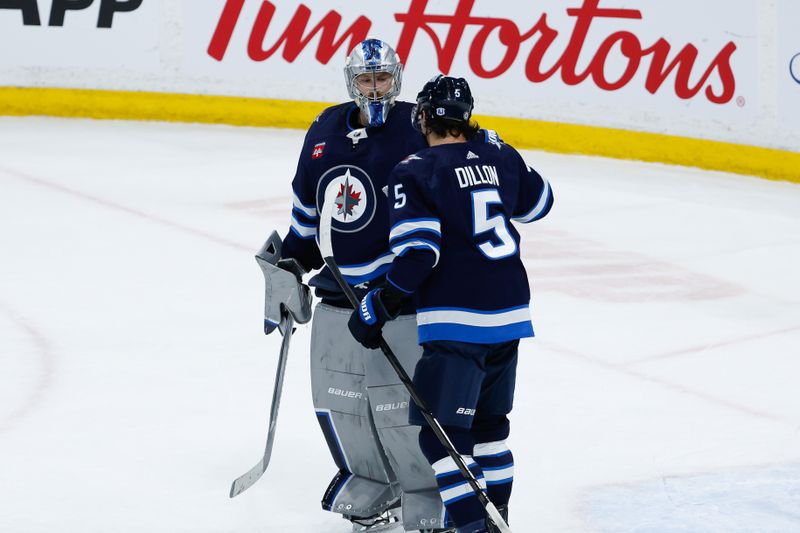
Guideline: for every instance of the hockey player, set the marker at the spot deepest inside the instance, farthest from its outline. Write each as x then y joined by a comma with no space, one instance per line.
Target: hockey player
458,256
360,403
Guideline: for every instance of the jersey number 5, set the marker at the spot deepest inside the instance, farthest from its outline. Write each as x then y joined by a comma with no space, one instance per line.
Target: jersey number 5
400,195
482,222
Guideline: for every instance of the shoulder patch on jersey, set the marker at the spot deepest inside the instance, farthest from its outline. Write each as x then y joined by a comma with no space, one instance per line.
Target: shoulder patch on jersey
492,137
319,149
412,157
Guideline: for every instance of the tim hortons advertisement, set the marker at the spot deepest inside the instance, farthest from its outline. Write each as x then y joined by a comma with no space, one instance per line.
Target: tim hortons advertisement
521,55
82,34
788,65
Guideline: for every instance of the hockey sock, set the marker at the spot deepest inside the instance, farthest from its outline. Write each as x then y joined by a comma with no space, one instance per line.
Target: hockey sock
434,450
463,506
497,463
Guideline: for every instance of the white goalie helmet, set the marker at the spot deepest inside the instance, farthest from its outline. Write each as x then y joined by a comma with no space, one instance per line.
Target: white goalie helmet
373,74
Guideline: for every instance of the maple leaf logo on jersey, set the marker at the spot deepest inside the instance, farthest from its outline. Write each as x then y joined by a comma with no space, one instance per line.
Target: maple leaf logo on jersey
347,199
318,151
353,195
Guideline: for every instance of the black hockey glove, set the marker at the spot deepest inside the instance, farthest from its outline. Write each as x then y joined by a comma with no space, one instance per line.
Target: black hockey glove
376,308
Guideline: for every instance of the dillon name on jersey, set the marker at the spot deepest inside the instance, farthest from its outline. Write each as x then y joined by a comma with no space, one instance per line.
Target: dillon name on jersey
451,207
357,163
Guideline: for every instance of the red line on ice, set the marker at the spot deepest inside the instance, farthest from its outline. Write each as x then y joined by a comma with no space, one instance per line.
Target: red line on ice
44,351
712,345
678,388
118,207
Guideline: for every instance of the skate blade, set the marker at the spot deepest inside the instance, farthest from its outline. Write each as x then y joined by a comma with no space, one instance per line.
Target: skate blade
389,522
382,527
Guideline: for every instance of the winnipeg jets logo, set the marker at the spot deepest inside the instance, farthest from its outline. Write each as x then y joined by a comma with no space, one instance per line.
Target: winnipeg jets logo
347,199
354,200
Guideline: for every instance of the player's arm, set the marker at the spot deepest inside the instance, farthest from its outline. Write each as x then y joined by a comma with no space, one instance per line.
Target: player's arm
534,198
300,241
414,238
415,235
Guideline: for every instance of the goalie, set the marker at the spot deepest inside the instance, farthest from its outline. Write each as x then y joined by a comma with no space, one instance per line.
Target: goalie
381,476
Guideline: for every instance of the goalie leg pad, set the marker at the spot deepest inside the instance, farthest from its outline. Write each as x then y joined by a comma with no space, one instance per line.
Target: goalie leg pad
355,496
389,401
342,406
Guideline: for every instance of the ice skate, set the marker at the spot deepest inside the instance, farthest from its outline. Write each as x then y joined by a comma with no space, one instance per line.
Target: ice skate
388,520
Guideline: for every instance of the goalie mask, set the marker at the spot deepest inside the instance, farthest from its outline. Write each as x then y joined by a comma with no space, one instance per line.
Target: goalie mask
373,74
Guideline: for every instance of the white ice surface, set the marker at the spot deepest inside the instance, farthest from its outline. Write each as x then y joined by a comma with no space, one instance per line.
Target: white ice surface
661,394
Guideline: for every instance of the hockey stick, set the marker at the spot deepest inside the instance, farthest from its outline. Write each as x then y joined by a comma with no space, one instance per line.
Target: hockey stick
247,480
326,248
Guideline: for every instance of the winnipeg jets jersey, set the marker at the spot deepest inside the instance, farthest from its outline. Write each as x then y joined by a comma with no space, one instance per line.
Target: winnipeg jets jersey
451,207
356,162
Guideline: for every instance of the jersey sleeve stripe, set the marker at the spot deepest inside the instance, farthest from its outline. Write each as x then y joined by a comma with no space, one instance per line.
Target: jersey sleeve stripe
304,231
540,209
403,247
398,287
300,235
417,233
308,211
418,224
305,219
367,271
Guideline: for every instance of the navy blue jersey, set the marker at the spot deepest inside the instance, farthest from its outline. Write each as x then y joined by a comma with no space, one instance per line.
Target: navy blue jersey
356,162
455,246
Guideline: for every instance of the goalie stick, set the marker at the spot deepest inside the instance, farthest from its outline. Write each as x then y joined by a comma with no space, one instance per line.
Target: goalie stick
326,248
248,479
289,304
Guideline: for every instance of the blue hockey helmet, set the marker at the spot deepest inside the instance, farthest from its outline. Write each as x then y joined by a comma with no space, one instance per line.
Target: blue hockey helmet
446,98
373,74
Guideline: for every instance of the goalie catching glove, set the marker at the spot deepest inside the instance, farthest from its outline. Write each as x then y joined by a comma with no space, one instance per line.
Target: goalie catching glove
376,308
